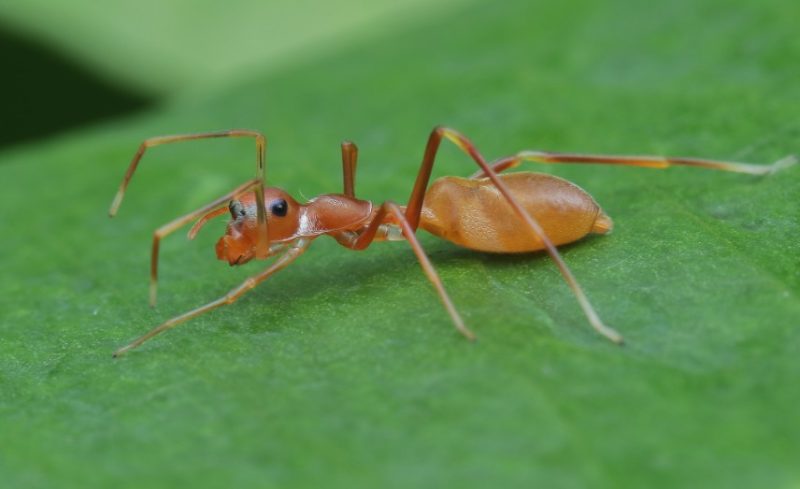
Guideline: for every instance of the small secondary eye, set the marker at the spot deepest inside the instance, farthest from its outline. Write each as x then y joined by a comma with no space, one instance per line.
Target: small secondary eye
237,209
279,208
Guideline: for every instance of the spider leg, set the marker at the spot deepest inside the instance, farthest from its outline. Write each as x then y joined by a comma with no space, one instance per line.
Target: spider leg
659,162
280,263
172,226
261,145
414,210
389,212
349,161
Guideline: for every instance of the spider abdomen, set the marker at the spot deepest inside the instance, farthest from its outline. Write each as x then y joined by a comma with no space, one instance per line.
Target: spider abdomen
474,214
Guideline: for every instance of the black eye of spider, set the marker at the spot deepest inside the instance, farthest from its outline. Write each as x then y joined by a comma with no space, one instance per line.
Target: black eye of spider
279,208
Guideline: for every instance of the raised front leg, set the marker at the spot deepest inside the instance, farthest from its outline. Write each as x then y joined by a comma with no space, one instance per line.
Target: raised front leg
262,250
172,226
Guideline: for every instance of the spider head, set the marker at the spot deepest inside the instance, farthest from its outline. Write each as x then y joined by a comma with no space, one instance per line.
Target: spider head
240,242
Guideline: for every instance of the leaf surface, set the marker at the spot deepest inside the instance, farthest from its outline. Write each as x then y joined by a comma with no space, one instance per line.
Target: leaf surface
344,370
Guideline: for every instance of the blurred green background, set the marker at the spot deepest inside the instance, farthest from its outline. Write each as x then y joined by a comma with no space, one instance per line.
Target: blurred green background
344,371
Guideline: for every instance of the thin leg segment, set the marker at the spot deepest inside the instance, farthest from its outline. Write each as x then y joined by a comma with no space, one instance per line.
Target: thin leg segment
660,162
282,262
349,161
179,222
261,145
368,235
414,209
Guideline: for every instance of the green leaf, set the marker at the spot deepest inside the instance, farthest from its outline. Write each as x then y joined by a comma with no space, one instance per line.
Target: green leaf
344,370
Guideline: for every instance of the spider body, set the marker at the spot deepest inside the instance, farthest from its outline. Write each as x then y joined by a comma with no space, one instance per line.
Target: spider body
490,211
